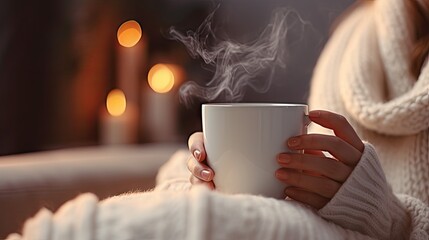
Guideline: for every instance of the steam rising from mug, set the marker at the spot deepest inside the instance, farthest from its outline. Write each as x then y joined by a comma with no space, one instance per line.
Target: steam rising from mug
237,65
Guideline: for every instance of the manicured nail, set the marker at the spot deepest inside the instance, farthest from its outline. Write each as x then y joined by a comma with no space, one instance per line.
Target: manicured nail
314,114
206,174
281,174
293,142
284,158
197,154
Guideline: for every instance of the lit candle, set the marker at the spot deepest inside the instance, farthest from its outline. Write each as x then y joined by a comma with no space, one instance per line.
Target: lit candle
131,54
118,120
160,102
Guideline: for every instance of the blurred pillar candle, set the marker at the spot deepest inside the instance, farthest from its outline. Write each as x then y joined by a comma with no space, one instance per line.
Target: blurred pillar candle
118,120
131,55
161,102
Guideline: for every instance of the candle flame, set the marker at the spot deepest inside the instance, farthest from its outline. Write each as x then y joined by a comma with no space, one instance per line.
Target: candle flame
129,33
161,78
116,102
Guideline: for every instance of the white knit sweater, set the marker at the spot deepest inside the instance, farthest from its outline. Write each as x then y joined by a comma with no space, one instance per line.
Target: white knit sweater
364,74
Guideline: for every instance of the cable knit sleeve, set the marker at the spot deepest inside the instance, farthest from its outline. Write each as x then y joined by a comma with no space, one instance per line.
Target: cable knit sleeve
366,203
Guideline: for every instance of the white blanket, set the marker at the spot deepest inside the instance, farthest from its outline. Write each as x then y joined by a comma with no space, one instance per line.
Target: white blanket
172,212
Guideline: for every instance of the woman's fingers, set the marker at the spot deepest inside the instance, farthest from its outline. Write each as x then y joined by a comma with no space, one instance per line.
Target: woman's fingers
194,180
322,186
196,146
201,173
309,198
339,148
339,125
328,167
199,169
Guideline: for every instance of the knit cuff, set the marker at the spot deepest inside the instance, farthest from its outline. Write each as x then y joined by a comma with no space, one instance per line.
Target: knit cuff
366,203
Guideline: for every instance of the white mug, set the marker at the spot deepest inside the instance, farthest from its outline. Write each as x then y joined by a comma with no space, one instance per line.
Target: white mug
243,140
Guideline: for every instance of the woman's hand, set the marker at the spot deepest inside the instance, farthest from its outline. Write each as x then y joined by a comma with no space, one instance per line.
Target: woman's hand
201,173
312,177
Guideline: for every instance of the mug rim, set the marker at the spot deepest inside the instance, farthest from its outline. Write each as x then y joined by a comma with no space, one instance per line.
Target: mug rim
232,105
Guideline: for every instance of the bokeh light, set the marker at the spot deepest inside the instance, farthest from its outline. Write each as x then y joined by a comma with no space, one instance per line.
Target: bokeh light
116,102
161,78
129,33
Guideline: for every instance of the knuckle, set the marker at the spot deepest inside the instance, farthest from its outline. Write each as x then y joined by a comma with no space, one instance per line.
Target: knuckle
193,139
197,170
194,167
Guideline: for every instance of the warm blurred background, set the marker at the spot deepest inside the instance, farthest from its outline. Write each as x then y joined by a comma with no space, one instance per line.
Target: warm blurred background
60,59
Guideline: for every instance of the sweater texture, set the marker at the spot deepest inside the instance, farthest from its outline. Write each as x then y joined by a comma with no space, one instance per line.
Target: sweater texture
364,74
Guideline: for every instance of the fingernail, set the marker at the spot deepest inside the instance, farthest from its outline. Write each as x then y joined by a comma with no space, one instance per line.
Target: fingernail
197,154
284,158
206,174
314,114
281,174
293,142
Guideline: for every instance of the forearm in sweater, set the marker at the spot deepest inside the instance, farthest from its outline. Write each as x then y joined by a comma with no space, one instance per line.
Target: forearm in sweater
366,203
